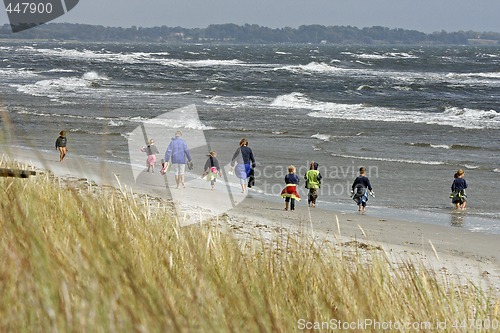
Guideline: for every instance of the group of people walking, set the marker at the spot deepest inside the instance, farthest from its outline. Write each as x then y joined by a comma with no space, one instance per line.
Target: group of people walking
243,164
177,156
361,187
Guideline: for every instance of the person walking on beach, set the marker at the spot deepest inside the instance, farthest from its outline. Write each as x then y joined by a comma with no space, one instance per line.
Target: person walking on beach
290,191
61,143
458,196
360,189
212,169
179,152
151,151
244,160
313,183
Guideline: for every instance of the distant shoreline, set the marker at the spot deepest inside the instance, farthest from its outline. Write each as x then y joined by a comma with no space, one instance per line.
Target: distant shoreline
251,34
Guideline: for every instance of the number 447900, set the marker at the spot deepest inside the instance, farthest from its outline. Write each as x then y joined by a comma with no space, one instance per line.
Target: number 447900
29,8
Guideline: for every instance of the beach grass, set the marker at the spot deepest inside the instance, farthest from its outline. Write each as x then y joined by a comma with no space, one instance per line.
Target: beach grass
80,258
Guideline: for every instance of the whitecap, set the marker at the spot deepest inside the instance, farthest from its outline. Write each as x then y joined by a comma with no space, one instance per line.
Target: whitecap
314,67
472,167
455,117
322,137
389,159
440,146
112,123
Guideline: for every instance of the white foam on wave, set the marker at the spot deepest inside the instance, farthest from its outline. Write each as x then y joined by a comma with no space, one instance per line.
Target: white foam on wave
314,67
61,87
238,102
194,124
471,167
455,117
61,70
388,55
16,73
485,78
113,123
441,146
204,63
496,170
383,159
322,137
139,57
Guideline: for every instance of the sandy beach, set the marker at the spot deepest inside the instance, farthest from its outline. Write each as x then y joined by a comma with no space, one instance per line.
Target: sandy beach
449,251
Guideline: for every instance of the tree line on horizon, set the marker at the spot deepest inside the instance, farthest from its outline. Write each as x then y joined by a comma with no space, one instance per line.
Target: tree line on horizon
251,33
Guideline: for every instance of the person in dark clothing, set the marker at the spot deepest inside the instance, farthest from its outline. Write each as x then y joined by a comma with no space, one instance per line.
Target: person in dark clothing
360,189
243,161
290,191
458,196
61,143
212,169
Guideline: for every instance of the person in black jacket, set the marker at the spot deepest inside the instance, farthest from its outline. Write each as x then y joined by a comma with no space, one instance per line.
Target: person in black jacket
61,143
360,189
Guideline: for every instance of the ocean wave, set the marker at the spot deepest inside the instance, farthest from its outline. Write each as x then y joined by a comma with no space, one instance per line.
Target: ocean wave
443,146
388,55
113,123
203,63
322,137
486,78
135,57
194,124
451,116
57,88
383,159
440,146
17,73
314,67
61,70
87,131
471,167
238,102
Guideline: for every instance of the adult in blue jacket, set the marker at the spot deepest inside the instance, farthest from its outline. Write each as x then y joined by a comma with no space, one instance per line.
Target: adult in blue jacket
179,153
244,161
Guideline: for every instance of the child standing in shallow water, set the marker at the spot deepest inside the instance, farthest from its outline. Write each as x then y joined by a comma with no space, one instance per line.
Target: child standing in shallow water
290,191
459,198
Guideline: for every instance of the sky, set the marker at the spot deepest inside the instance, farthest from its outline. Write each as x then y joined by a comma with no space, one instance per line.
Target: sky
422,15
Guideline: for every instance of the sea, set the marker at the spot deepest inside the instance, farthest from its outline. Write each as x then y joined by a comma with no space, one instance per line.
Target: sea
412,115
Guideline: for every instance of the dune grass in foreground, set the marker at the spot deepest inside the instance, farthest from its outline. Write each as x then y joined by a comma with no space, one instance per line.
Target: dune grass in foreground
76,260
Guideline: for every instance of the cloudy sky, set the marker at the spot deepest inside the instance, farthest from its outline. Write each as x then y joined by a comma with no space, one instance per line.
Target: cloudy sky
423,15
